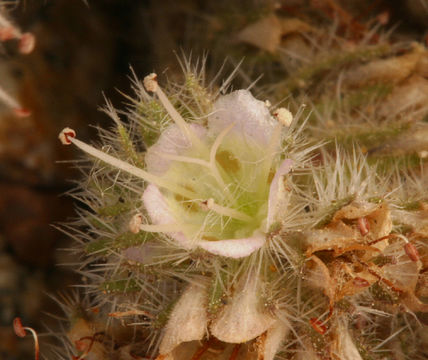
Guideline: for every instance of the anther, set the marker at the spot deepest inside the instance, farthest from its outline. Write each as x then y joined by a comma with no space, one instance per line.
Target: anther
318,326
284,116
13,104
27,42
66,135
135,223
411,251
360,282
363,225
409,248
9,31
20,331
151,82
225,211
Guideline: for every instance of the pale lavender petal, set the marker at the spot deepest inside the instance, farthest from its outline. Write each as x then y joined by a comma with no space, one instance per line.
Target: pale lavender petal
159,213
251,116
172,141
234,248
277,196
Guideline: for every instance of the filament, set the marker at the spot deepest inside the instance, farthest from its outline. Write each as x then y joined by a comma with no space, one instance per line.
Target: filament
151,84
183,159
213,153
164,228
225,211
122,165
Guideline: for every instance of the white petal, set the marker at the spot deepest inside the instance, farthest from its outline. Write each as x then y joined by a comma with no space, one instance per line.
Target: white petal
234,248
251,117
277,193
188,320
241,319
274,338
172,141
159,213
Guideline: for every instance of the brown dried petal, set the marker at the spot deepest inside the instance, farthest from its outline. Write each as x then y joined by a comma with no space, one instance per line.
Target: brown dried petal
356,285
392,70
318,276
380,225
404,273
417,220
83,329
422,65
422,285
266,33
412,94
413,303
355,210
337,235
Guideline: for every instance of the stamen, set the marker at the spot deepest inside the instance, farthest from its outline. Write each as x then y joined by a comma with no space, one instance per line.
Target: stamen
27,42
9,31
225,211
67,136
13,104
79,344
135,223
120,314
213,153
183,159
271,151
363,225
318,326
411,252
151,84
284,116
164,228
20,331
218,142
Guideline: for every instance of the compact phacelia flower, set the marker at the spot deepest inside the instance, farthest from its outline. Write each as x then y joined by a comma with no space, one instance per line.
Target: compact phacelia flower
217,185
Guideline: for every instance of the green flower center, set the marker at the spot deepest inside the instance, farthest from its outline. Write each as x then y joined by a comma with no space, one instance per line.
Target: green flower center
236,181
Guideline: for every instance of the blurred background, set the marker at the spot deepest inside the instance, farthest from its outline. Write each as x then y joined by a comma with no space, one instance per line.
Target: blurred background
85,50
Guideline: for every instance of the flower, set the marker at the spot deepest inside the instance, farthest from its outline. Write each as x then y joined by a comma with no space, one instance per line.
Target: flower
216,185
231,166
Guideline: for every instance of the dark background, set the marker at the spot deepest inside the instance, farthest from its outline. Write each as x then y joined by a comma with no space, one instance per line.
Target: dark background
85,50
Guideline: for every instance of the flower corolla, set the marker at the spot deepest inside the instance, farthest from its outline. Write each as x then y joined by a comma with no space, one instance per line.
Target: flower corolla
233,170
217,185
